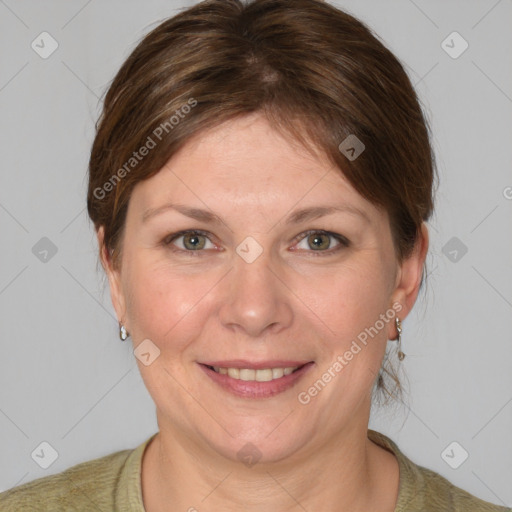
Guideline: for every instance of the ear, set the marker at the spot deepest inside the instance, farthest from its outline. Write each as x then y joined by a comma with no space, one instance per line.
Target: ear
408,279
114,278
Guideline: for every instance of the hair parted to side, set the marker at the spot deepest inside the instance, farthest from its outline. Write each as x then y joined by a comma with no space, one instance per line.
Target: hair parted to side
317,74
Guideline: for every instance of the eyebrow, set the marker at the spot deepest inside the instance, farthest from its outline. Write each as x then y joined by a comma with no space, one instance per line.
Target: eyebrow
303,215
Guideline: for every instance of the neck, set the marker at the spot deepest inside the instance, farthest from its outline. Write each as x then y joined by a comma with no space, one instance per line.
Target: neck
346,473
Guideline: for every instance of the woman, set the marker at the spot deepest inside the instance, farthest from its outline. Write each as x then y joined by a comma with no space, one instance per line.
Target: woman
259,183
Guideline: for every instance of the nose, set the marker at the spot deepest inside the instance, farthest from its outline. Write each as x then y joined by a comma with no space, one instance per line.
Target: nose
257,300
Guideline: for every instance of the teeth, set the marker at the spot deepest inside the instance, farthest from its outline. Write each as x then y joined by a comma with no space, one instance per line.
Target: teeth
248,374
277,373
234,373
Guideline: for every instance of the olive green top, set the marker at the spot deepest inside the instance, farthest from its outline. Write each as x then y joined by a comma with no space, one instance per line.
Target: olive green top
113,482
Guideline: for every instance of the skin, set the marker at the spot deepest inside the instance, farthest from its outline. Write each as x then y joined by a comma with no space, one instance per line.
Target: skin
295,301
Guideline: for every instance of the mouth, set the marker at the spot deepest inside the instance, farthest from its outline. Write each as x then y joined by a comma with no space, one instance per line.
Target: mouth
262,380
255,375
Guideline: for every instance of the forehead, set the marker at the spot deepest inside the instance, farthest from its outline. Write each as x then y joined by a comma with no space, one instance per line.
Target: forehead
248,163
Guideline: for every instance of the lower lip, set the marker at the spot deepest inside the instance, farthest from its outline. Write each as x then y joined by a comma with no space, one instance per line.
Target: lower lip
255,389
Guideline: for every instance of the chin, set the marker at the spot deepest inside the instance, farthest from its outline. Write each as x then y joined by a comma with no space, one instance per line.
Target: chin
254,441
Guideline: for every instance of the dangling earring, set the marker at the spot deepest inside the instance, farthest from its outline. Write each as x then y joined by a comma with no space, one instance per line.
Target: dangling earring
398,324
123,333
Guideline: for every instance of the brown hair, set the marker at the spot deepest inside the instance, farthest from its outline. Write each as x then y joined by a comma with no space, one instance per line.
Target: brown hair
317,73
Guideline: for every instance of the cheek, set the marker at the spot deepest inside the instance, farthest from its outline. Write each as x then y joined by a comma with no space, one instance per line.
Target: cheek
162,304
357,334
351,301
357,337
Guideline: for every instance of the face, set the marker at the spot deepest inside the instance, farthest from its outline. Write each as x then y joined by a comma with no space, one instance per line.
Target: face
249,283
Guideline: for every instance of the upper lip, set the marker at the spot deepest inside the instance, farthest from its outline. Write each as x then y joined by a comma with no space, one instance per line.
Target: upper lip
241,363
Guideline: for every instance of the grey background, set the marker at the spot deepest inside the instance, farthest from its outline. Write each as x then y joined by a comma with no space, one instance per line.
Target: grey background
65,378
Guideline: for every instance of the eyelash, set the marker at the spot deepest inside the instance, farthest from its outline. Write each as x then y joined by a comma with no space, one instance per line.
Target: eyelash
343,242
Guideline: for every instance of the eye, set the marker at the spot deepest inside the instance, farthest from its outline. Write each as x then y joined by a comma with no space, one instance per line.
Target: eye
192,241
195,240
320,241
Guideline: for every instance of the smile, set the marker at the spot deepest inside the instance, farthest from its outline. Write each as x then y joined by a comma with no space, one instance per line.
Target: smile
249,374
263,382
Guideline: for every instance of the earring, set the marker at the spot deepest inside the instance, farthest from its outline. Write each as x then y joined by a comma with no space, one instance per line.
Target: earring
123,333
398,324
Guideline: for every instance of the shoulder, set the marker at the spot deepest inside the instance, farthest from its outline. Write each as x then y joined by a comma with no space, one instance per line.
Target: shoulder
424,490
89,485
441,494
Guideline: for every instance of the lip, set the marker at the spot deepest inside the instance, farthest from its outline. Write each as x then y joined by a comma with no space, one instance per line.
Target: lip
254,389
260,365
